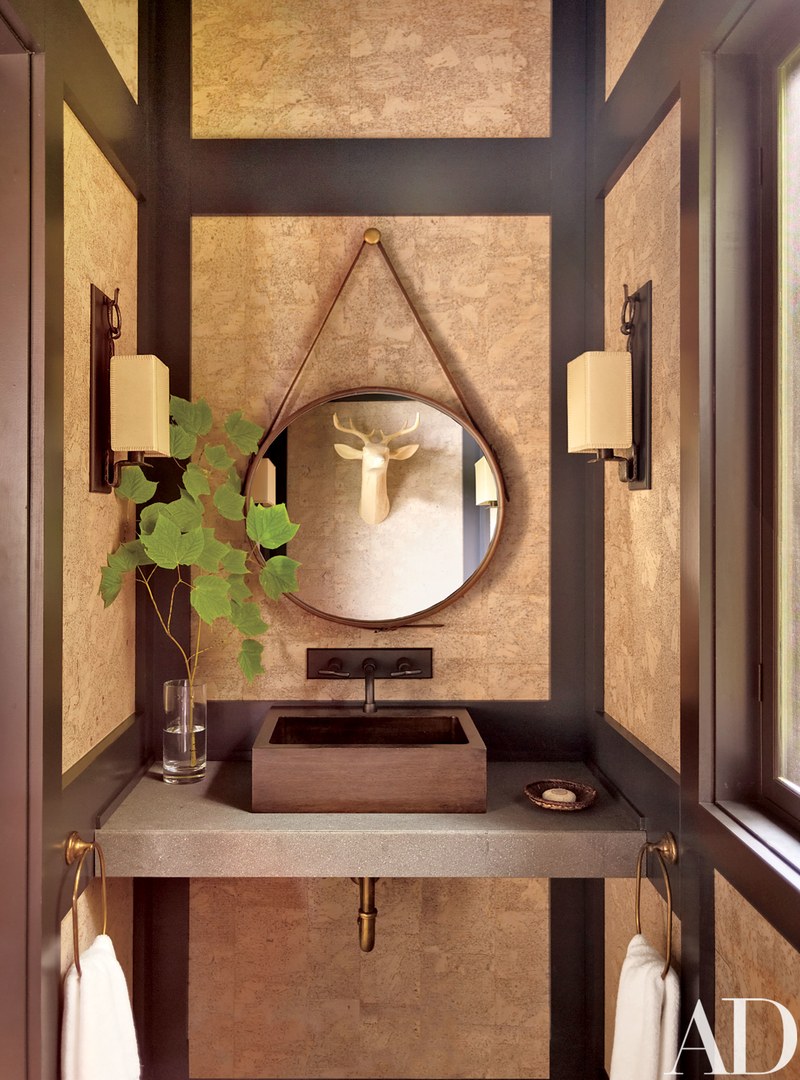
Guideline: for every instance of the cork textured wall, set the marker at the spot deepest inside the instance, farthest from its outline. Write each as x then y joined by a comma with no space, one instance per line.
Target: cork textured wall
100,223
90,923
753,960
117,25
371,69
260,289
642,528
620,928
457,985
626,24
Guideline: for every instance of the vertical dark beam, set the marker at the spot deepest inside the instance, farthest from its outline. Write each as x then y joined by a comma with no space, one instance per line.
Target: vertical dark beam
697,661
567,307
161,973
595,339
577,960
15,212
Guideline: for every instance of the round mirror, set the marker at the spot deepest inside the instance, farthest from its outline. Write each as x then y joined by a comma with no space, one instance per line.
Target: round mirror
400,504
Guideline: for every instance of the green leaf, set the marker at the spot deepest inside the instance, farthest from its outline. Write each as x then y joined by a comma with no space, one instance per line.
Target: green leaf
191,546
235,561
181,442
149,516
279,575
110,584
229,502
134,485
249,659
163,545
195,481
247,618
192,417
213,551
240,590
185,512
269,526
244,435
218,457
129,556
209,597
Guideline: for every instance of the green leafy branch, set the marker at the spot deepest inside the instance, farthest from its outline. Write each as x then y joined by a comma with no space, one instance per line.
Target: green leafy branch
174,536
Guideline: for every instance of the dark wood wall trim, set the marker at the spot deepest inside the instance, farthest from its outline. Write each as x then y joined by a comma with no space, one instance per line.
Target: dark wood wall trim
648,87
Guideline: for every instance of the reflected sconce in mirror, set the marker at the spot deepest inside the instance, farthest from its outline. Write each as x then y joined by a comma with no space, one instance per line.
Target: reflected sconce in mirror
608,397
263,486
486,491
129,400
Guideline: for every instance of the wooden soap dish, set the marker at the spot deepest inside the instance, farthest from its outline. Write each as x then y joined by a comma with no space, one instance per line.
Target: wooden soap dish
584,794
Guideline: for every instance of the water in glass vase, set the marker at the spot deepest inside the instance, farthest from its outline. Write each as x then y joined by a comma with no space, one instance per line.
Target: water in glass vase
184,735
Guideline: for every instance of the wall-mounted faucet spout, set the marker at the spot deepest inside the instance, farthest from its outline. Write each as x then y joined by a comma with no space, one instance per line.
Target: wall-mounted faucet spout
369,667
367,913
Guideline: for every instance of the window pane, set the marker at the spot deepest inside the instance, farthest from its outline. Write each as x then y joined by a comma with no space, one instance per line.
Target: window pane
789,423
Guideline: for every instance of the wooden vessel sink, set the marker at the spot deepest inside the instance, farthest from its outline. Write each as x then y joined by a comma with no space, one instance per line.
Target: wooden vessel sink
342,760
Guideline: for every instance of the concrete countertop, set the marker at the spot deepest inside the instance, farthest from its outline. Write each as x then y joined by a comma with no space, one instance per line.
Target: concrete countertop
207,830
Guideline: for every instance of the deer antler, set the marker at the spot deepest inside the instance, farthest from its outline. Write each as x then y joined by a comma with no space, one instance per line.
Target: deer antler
386,439
353,431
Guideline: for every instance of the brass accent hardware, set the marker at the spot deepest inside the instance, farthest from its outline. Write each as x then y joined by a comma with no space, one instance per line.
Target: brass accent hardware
76,850
666,851
367,912
372,236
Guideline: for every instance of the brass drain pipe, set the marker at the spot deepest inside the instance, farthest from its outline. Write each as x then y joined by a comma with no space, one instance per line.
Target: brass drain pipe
367,912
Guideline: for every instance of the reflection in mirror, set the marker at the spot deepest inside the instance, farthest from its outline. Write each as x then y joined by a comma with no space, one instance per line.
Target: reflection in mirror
397,498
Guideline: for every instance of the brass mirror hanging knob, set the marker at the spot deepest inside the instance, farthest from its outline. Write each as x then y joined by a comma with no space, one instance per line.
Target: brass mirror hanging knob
372,236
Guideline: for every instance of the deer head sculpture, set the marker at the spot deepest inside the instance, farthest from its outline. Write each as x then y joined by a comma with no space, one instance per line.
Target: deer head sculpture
375,458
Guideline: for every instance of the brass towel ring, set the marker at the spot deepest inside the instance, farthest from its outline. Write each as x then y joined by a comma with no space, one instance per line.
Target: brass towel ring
76,850
666,850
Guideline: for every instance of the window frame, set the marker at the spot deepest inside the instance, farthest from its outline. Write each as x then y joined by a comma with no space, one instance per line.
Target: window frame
775,794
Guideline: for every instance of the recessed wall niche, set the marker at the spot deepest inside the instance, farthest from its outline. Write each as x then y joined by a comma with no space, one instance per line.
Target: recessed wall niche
260,289
371,69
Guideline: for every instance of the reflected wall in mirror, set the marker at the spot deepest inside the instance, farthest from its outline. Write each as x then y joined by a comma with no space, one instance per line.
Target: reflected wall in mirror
438,532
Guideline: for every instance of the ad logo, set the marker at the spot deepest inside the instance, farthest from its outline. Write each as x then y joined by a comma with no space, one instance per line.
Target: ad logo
709,1043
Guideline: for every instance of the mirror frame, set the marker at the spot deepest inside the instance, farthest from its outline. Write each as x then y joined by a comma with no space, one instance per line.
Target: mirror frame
406,620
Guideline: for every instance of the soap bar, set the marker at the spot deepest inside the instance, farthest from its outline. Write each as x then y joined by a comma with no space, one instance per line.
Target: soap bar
559,794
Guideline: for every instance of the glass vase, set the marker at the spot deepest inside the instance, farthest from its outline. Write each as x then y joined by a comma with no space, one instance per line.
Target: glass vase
184,731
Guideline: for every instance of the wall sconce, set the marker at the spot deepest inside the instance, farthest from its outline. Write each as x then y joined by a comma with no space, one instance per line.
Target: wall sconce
262,486
129,400
608,396
486,491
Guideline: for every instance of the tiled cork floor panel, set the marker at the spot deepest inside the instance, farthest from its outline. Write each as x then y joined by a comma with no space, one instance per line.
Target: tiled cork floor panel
117,24
626,24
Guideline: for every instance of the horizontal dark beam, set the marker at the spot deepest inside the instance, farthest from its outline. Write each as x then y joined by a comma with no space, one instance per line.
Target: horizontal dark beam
649,85
370,176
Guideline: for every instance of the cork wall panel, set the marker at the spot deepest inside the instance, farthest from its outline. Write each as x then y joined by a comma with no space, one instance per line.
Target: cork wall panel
642,528
457,985
117,25
753,960
260,289
100,221
370,69
620,928
90,923
626,24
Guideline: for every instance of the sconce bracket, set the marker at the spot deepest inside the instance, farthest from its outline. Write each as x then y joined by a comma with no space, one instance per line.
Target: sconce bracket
641,350
100,350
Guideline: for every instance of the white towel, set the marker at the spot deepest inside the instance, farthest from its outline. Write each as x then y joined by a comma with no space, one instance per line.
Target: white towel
646,1026
98,1040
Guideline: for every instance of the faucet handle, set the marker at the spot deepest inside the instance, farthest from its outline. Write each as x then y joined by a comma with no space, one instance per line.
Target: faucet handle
404,668
334,670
